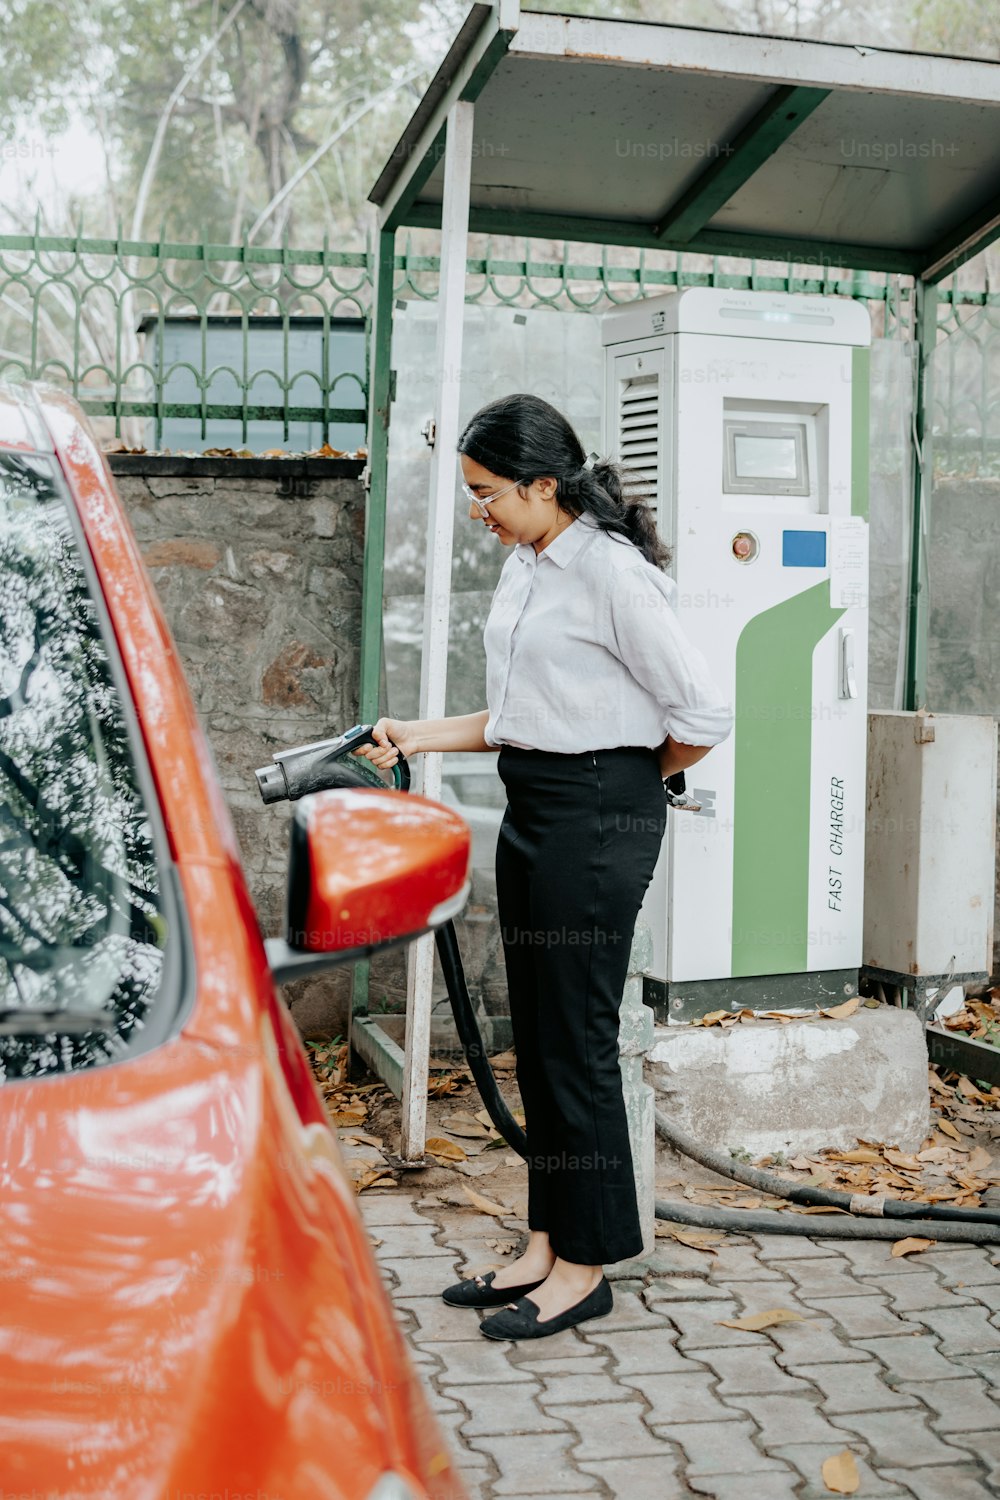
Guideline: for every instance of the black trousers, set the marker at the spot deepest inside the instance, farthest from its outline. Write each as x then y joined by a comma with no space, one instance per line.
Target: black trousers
576,850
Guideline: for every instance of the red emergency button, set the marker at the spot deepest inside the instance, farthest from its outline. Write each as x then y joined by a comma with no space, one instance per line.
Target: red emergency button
745,546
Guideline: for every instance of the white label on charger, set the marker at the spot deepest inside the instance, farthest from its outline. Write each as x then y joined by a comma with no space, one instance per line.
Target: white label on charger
848,561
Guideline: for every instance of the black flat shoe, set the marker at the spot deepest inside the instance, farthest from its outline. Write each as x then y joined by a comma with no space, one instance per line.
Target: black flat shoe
523,1322
477,1292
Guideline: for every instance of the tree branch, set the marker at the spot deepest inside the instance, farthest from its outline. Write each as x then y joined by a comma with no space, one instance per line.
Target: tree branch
307,166
156,149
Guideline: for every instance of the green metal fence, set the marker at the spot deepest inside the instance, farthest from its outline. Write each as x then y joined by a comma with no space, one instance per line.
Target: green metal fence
964,397
71,309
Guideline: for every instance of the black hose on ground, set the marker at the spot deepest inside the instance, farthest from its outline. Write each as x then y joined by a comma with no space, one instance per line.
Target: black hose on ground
822,1226
873,1205
448,952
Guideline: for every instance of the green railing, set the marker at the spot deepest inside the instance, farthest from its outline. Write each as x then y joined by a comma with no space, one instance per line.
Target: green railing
71,309
965,390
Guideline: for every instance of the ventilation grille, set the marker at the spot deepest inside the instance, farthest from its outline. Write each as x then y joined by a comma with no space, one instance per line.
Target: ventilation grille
639,436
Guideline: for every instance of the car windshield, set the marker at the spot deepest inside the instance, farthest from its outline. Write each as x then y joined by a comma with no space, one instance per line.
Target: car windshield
82,933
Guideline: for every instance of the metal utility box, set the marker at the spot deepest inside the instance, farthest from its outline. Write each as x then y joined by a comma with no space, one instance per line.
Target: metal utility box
744,418
929,847
254,361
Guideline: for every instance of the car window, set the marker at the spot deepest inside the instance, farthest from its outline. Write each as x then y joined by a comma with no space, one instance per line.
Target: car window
82,927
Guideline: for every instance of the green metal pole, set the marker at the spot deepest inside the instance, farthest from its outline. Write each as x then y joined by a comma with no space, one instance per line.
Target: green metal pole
379,402
918,603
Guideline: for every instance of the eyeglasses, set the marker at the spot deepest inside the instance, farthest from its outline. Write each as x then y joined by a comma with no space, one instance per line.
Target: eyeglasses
482,504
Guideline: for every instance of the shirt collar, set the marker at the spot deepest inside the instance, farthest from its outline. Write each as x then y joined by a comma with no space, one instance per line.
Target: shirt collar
563,548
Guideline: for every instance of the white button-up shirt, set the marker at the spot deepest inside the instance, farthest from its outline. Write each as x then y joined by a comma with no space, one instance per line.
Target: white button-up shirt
584,651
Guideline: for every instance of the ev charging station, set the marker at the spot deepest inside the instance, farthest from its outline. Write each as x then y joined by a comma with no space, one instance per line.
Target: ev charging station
743,419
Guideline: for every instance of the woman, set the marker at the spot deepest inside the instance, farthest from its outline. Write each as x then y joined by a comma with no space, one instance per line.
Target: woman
594,697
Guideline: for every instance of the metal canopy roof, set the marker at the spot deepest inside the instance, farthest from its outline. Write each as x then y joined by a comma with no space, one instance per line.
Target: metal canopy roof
680,138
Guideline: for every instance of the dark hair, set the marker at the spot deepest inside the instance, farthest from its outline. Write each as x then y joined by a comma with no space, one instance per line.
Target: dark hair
522,437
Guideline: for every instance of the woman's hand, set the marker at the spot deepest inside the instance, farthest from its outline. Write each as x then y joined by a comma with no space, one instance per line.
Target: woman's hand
392,736
675,756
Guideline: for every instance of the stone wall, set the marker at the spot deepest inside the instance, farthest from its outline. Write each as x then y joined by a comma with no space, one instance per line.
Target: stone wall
258,564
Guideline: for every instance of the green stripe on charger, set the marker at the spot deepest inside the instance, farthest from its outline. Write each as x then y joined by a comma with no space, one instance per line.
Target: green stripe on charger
861,359
773,747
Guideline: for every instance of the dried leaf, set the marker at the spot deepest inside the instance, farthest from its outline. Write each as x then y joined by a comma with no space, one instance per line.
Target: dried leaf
756,1322
949,1129
485,1205
697,1239
864,1154
911,1246
780,1015
980,1160
380,1175
449,1084
889,1180
970,1112
468,1128
715,1017
438,1145
817,1208
902,1159
348,1116
841,1012
478,1168
936,1083
971,1183
840,1473
325,451
360,1139
502,1247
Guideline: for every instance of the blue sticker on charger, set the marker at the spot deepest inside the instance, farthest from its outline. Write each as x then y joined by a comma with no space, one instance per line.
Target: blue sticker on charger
803,549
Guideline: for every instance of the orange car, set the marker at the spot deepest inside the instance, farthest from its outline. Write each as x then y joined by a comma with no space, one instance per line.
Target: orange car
190,1304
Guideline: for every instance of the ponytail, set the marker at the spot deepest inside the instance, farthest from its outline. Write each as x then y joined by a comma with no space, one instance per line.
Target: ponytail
522,438
602,492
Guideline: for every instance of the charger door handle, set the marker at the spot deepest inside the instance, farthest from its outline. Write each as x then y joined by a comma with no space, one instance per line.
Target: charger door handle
848,681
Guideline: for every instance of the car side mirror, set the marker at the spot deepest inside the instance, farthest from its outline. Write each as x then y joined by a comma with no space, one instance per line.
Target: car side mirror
367,870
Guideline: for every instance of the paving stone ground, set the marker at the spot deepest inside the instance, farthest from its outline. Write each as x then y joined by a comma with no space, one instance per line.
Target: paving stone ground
897,1360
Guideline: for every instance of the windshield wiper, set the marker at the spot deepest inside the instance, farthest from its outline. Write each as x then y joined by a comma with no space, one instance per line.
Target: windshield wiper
22,1021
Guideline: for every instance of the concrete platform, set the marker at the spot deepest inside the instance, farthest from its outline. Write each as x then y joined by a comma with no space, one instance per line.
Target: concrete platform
769,1086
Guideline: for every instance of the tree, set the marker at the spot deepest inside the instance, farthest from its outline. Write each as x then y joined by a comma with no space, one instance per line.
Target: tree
208,109
967,27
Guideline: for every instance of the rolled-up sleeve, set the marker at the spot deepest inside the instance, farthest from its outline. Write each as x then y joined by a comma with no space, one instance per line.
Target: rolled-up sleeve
649,641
